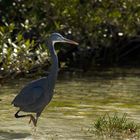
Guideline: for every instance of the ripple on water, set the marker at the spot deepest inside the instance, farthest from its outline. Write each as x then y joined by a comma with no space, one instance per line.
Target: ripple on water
76,105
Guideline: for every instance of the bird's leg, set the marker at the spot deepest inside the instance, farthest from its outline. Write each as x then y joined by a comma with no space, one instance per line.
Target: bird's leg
32,118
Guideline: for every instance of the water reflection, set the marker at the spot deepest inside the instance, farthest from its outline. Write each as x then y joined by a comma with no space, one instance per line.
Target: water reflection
77,102
12,135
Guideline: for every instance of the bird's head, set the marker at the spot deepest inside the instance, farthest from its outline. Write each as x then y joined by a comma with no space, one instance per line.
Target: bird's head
56,37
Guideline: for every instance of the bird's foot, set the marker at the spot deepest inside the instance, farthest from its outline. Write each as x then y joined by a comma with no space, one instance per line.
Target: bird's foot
32,119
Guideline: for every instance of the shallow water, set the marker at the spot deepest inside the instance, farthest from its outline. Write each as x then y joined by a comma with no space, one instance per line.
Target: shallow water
77,103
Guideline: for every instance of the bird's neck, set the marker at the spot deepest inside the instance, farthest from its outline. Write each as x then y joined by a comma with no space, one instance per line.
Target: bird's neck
54,64
54,67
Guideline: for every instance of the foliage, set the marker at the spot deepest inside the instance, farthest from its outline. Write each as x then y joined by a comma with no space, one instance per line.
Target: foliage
17,55
24,25
115,126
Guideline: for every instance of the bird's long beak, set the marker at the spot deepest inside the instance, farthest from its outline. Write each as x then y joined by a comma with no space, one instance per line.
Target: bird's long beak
70,41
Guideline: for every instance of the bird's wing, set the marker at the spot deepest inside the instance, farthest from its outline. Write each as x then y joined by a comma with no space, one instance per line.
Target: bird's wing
28,95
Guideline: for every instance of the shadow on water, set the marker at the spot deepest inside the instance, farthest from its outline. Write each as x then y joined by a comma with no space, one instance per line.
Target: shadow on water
12,135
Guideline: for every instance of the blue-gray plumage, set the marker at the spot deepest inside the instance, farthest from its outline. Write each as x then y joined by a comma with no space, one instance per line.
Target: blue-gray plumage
37,94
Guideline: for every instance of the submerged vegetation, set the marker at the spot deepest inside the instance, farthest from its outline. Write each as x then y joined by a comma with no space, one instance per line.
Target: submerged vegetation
115,126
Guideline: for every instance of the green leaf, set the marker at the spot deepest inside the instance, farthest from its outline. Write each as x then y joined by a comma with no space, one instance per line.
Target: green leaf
19,37
11,27
27,43
115,14
2,29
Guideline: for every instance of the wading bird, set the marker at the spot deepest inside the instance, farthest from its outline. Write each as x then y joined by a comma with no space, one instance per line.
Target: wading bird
37,94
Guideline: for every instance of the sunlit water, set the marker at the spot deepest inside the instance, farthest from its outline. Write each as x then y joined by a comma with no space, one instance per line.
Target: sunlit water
78,101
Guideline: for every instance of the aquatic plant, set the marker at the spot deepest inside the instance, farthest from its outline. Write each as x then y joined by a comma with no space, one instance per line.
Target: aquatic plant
115,126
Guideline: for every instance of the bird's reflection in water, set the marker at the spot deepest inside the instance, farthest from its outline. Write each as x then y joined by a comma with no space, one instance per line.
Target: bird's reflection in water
10,135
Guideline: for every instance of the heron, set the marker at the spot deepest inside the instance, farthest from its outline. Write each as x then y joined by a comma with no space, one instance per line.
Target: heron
37,94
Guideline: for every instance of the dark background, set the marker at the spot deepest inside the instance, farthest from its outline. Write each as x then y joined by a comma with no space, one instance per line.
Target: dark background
108,33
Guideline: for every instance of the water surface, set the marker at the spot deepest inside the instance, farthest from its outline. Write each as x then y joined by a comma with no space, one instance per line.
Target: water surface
78,101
